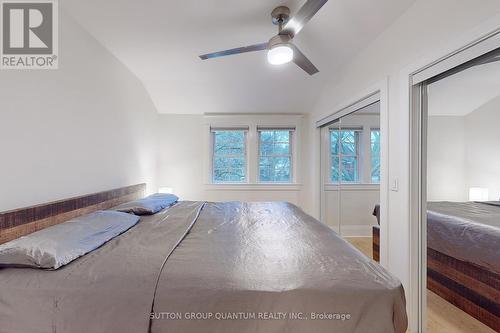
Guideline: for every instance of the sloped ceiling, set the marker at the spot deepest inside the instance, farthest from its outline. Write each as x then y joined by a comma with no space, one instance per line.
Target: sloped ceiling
159,41
466,91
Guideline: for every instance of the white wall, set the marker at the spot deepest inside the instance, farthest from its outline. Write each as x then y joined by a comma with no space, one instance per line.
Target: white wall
483,148
83,128
180,155
463,152
182,161
427,31
446,172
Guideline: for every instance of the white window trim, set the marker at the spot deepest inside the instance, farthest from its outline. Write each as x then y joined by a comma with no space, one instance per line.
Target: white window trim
253,122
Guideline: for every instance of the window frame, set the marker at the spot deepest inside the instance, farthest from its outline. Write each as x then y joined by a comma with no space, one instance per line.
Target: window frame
212,154
290,149
358,138
252,122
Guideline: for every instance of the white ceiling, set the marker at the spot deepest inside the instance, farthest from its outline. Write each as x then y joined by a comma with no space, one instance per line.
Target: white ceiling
465,92
160,42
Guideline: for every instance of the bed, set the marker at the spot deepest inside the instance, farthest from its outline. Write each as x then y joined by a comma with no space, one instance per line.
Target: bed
463,256
201,267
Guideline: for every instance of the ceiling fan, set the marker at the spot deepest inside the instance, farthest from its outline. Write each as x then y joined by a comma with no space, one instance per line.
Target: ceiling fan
280,49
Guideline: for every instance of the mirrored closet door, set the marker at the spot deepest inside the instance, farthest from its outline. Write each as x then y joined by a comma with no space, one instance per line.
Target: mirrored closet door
350,176
463,193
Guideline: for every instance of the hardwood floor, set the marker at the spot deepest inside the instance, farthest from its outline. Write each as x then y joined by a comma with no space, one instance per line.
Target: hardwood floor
441,315
364,244
444,317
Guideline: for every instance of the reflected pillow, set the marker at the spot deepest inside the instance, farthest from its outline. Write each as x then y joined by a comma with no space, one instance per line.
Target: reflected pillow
149,205
60,244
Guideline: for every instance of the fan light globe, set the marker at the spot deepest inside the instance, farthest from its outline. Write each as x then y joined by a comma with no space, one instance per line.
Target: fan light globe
280,54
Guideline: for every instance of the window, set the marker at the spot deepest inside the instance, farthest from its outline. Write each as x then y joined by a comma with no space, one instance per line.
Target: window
375,155
257,152
275,157
344,152
229,156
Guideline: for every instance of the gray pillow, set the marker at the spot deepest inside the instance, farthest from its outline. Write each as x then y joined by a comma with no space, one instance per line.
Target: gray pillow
60,244
149,205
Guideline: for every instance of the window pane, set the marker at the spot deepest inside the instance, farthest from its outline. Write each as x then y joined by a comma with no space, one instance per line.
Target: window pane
275,149
335,169
347,140
266,137
349,167
229,160
282,136
375,158
375,169
275,169
229,143
348,144
275,156
334,142
375,140
282,148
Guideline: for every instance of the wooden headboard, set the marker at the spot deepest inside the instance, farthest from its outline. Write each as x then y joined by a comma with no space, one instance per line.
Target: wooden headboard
23,221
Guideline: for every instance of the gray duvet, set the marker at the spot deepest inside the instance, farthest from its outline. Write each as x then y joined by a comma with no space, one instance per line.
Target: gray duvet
468,231
214,267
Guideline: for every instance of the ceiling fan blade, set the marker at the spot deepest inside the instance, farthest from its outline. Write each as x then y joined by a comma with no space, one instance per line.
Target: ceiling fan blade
301,60
296,23
238,50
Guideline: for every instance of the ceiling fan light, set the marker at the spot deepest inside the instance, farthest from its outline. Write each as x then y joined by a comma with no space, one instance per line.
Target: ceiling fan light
280,54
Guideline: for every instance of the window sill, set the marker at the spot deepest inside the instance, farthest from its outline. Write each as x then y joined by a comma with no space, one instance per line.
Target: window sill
254,187
351,187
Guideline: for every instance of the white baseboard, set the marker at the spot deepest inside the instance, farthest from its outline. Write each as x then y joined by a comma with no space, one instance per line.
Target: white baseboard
356,230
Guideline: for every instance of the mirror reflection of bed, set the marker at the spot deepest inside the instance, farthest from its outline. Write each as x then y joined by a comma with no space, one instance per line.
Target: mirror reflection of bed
463,193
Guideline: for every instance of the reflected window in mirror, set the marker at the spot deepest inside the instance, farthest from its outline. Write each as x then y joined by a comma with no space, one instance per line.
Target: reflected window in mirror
375,155
344,151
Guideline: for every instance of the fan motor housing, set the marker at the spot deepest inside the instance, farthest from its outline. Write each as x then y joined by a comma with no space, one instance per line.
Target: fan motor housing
280,15
278,40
